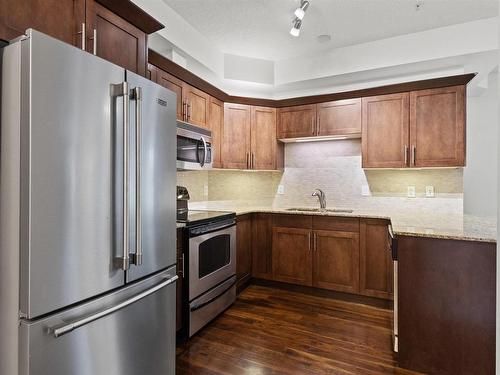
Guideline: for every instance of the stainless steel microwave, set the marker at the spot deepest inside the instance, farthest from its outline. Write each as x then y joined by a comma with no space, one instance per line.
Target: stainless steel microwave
194,147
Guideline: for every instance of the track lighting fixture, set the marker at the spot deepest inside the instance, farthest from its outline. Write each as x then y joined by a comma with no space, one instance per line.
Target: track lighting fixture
299,13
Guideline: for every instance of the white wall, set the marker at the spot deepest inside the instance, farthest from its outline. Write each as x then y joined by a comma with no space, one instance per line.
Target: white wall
480,174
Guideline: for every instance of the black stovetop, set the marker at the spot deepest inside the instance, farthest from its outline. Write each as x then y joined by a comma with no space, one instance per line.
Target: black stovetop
196,217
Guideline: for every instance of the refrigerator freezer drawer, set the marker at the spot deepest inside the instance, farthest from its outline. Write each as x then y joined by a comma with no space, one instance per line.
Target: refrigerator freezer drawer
127,332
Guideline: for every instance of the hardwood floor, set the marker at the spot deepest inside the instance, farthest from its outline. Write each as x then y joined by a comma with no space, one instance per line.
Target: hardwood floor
274,331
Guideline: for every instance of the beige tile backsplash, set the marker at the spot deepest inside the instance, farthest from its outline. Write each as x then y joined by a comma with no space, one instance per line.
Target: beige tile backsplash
335,167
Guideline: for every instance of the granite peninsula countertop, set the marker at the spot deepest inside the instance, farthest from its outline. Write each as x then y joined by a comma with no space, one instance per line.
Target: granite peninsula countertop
404,223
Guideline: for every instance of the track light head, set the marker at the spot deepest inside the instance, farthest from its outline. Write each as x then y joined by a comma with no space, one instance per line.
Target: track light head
300,12
295,31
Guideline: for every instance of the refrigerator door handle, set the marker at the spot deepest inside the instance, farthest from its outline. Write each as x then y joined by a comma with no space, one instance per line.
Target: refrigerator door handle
116,91
137,96
58,332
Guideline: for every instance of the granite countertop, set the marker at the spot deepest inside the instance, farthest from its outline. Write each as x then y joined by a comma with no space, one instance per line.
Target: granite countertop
404,223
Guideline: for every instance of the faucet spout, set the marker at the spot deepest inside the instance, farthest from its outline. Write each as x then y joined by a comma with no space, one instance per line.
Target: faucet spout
321,196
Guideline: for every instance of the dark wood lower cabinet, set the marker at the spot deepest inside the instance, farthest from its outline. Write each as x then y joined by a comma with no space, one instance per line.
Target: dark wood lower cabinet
336,260
375,266
292,255
262,256
243,250
447,312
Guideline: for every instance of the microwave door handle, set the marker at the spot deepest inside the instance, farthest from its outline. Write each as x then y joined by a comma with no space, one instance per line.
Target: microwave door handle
202,163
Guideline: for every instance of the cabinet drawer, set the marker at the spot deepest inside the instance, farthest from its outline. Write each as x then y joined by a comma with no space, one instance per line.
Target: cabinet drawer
343,224
292,221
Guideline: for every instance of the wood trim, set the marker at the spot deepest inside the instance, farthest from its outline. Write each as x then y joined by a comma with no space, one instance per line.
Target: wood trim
133,14
313,291
195,81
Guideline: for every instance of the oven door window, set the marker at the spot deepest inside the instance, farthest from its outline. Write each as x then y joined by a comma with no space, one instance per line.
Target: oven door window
192,150
214,254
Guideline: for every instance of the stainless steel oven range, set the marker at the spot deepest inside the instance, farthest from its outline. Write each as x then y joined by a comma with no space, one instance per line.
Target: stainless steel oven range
211,266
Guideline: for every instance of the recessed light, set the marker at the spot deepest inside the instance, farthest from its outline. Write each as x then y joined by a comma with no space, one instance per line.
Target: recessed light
324,38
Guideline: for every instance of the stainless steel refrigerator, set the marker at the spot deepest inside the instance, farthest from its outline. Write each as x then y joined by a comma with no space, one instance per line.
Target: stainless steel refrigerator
87,215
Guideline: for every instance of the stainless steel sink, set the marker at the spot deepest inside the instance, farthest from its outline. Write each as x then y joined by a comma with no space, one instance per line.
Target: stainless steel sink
334,210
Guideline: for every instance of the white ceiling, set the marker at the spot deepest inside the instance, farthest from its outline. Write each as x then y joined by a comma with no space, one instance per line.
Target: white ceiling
260,28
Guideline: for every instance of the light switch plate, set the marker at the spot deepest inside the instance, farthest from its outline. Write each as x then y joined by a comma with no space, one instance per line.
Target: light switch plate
281,189
412,193
429,191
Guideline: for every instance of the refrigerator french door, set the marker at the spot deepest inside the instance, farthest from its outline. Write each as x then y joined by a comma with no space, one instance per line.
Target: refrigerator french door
87,223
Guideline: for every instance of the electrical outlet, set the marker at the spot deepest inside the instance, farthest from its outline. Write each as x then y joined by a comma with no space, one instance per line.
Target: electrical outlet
281,189
411,192
365,191
429,191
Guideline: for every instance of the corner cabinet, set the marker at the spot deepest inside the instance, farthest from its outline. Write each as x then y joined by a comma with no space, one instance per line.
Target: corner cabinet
249,138
414,129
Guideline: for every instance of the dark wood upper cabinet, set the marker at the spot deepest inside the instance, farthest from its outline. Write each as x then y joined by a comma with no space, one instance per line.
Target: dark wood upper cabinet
336,260
197,105
376,269
243,249
174,84
297,122
215,124
114,39
292,255
263,138
341,117
385,137
437,127
61,19
152,72
236,136
262,246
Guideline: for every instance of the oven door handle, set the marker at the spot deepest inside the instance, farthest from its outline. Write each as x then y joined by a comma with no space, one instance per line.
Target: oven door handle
208,302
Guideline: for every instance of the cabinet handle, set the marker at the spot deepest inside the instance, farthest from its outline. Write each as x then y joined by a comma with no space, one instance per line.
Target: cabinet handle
406,155
82,33
413,152
188,111
184,111
253,161
94,40
247,155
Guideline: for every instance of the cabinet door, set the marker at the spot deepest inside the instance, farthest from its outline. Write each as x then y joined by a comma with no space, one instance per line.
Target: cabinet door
243,249
236,136
296,122
215,123
61,19
437,127
336,260
385,129
262,246
174,84
114,39
263,136
340,117
376,270
197,103
292,255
